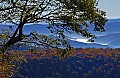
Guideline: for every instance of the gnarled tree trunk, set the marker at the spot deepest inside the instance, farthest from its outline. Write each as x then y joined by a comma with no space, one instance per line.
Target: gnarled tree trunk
17,36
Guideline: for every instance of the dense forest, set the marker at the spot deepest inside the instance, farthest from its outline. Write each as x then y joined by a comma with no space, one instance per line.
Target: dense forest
80,62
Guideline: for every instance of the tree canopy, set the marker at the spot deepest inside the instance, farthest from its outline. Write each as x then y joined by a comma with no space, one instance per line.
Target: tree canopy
73,16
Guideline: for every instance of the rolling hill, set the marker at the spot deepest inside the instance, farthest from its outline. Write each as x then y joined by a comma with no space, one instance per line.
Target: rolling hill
111,37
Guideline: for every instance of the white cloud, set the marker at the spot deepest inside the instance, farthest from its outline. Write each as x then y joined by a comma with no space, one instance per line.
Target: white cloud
86,41
83,40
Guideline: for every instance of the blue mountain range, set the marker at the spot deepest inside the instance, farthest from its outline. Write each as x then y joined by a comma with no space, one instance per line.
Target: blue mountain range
108,39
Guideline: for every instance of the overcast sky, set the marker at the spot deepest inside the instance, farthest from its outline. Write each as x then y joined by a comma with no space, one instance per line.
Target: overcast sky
112,7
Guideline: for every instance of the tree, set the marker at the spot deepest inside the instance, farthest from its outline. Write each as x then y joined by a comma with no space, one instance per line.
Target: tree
72,16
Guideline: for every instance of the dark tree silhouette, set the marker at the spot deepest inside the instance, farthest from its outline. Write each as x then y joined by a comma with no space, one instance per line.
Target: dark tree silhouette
72,16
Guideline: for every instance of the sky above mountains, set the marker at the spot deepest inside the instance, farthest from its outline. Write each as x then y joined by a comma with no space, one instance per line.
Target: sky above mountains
111,7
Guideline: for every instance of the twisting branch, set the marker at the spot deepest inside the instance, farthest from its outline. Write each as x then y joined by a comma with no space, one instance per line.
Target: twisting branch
61,15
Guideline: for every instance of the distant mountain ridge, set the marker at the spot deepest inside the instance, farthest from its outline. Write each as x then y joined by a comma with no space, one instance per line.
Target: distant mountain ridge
111,37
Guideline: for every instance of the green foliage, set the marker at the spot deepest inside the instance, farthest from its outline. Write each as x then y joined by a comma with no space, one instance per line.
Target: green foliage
9,62
61,15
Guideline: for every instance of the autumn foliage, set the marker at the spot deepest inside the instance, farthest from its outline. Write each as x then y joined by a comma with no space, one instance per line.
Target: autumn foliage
103,62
